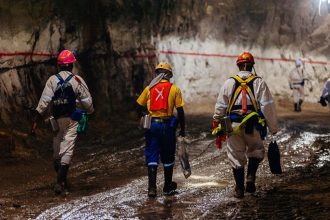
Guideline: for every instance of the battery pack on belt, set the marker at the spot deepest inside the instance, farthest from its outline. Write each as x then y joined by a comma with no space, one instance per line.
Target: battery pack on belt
160,120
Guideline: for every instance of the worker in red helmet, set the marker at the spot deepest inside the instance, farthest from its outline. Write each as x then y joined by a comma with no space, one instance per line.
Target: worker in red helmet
70,99
243,110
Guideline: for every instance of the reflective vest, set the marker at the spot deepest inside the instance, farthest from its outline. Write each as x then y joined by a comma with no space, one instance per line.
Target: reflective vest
246,88
159,96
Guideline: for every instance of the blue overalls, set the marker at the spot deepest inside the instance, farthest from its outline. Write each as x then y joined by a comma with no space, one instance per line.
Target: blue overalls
161,142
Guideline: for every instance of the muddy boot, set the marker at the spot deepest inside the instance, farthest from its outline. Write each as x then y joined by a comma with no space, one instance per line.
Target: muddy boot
251,175
61,186
169,185
152,175
239,179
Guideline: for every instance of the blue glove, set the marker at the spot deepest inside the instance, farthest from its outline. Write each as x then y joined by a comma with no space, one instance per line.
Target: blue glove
302,82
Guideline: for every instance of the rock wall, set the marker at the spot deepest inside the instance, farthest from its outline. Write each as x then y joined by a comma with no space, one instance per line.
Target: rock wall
118,44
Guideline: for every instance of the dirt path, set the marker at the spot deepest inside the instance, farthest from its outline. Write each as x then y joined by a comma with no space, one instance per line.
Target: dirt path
112,173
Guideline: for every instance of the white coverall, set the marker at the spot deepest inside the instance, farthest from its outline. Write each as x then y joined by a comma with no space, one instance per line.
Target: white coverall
326,90
296,79
242,145
64,141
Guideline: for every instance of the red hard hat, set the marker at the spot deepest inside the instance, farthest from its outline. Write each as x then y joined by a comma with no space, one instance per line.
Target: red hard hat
66,57
245,57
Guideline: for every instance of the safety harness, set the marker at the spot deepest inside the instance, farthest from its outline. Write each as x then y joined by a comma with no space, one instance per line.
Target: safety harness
244,87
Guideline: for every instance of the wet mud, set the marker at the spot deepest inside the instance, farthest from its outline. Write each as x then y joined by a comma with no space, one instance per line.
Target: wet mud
108,177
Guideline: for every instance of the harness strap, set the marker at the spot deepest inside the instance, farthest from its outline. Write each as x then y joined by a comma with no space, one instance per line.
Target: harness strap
245,119
244,88
61,80
236,130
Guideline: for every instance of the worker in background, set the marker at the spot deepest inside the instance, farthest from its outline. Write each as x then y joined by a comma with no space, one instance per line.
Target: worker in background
297,83
69,97
325,97
160,98
243,110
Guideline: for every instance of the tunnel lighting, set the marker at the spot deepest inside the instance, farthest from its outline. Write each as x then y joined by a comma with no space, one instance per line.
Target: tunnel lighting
320,4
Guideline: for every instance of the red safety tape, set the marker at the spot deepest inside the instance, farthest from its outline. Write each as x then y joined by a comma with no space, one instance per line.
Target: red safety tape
25,54
153,55
235,56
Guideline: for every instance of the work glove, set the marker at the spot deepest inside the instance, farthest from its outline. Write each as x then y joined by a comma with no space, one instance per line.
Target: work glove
220,140
221,137
215,127
322,101
302,82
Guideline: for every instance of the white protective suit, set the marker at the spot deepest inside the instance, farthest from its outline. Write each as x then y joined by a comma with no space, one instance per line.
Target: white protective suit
242,145
326,89
296,79
326,92
64,141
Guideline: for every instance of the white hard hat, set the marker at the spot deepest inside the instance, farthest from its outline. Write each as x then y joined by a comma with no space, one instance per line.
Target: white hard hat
298,62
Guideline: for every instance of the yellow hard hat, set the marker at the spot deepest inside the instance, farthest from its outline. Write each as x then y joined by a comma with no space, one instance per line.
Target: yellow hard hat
165,66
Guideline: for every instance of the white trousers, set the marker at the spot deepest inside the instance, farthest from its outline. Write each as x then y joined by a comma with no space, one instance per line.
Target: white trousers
64,141
243,146
298,93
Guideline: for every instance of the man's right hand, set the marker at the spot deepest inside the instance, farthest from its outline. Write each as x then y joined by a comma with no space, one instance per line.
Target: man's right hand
221,137
35,117
219,141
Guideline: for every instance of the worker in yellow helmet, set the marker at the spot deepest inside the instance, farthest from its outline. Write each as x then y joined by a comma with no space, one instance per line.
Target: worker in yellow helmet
160,98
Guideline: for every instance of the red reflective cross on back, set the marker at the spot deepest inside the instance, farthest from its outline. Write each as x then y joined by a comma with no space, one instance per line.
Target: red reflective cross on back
159,96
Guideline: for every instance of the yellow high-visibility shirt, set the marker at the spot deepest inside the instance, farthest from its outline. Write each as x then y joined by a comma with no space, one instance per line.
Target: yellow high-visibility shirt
174,100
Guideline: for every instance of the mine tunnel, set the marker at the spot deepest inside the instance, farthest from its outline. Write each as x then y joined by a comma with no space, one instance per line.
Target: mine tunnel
118,48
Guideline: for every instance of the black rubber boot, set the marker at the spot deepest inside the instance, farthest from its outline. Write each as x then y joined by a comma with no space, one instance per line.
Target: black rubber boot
61,185
169,185
251,174
152,176
239,179
299,105
57,164
296,107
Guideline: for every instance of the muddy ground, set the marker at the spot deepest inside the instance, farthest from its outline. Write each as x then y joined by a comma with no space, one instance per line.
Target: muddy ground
108,177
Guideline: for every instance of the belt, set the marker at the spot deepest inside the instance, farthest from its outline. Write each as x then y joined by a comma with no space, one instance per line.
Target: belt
160,120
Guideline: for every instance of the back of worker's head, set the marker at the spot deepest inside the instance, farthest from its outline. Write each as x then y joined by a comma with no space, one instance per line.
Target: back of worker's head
298,62
245,61
65,60
163,67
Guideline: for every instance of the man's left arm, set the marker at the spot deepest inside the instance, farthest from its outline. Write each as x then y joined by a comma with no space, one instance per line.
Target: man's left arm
182,123
179,103
84,96
267,106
